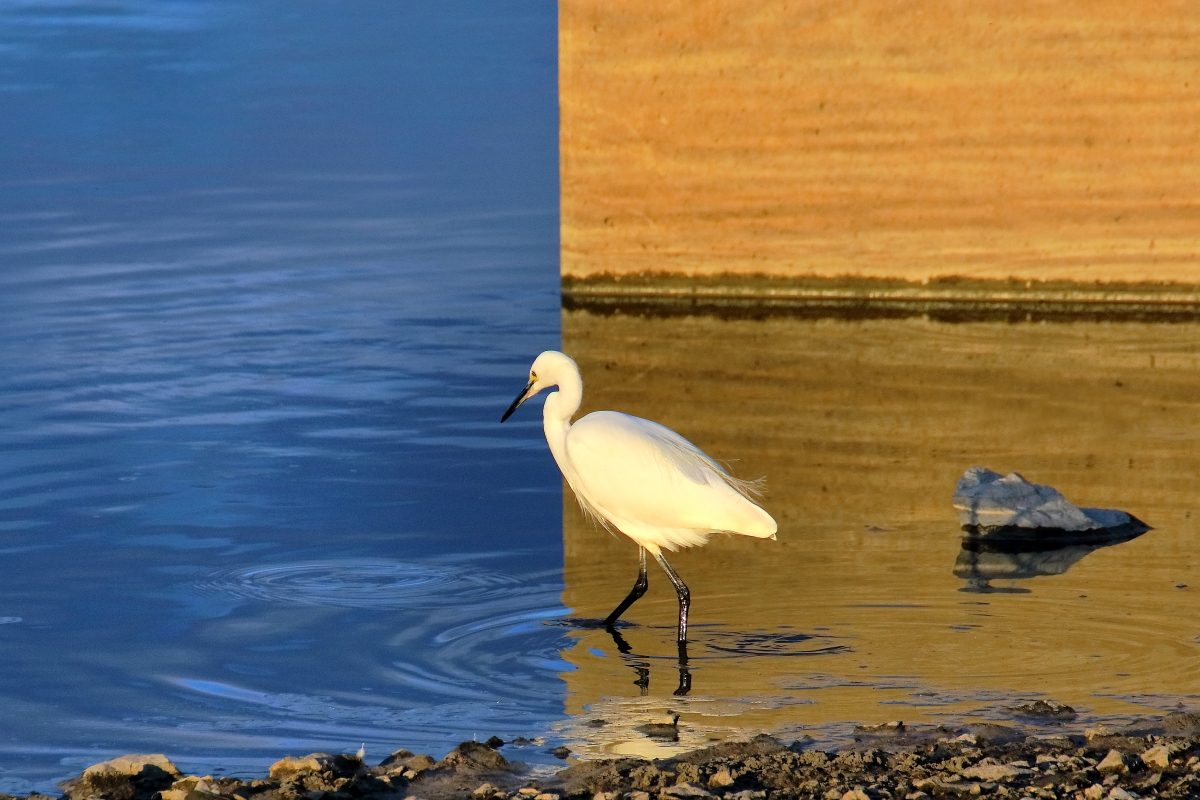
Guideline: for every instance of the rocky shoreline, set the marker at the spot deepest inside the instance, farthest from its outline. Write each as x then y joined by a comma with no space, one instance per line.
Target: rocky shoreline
1160,758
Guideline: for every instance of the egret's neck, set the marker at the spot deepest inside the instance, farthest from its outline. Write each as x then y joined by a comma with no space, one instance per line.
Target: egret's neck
556,415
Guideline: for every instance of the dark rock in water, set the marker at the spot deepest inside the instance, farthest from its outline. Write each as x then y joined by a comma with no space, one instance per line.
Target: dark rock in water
1041,709
495,742
474,757
561,752
657,731
665,726
1011,508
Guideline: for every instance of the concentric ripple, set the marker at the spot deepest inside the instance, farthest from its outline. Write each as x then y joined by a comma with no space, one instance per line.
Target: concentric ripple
358,583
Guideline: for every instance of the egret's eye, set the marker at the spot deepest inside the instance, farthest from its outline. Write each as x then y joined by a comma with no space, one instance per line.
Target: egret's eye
533,376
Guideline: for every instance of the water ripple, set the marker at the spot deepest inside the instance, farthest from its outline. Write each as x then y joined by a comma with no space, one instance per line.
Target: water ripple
359,583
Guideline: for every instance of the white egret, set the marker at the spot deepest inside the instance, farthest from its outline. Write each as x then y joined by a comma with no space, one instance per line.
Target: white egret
639,478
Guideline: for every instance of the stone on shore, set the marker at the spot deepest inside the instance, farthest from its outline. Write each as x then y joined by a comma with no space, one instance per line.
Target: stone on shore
1115,762
124,778
473,757
136,766
1159,756
937,763
292,766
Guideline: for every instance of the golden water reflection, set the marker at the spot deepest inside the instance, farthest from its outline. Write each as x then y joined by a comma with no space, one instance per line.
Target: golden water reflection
857,614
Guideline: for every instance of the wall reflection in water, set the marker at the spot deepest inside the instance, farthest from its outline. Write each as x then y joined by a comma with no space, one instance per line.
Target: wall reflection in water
861,428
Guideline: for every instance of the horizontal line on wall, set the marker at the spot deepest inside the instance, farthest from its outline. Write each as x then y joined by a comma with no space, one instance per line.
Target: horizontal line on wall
852,297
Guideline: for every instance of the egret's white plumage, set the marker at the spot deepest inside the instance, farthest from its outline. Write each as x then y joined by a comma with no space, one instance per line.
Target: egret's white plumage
638,477
655,486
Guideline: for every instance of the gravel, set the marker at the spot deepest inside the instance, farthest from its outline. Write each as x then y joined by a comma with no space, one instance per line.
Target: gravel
1157,759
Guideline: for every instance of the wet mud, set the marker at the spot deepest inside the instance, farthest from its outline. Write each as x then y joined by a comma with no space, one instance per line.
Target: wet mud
1150,758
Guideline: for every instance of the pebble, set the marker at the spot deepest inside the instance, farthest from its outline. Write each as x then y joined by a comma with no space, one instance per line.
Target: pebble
1120,794
995,772
1157,757
939,765
1113,763
720,779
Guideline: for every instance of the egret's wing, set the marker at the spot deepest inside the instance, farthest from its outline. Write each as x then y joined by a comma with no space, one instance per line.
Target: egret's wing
690,460
638,474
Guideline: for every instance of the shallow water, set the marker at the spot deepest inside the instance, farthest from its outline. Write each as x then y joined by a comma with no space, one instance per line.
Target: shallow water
868,608
269,278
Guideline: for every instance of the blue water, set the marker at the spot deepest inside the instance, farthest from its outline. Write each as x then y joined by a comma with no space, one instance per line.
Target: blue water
269,273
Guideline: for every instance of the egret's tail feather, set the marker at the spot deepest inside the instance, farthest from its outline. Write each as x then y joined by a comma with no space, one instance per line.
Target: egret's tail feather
747,489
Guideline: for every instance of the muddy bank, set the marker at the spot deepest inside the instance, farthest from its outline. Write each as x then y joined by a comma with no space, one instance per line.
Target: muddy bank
1157,758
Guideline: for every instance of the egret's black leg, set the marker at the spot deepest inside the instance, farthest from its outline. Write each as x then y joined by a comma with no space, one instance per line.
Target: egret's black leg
685,597
637,591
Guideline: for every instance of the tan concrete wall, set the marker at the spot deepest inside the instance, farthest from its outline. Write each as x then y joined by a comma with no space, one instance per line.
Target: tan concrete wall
882,138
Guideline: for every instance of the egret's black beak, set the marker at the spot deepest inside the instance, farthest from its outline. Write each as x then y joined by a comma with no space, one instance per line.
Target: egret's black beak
521,398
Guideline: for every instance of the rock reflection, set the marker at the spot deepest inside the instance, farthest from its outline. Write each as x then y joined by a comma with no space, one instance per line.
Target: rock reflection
982,560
